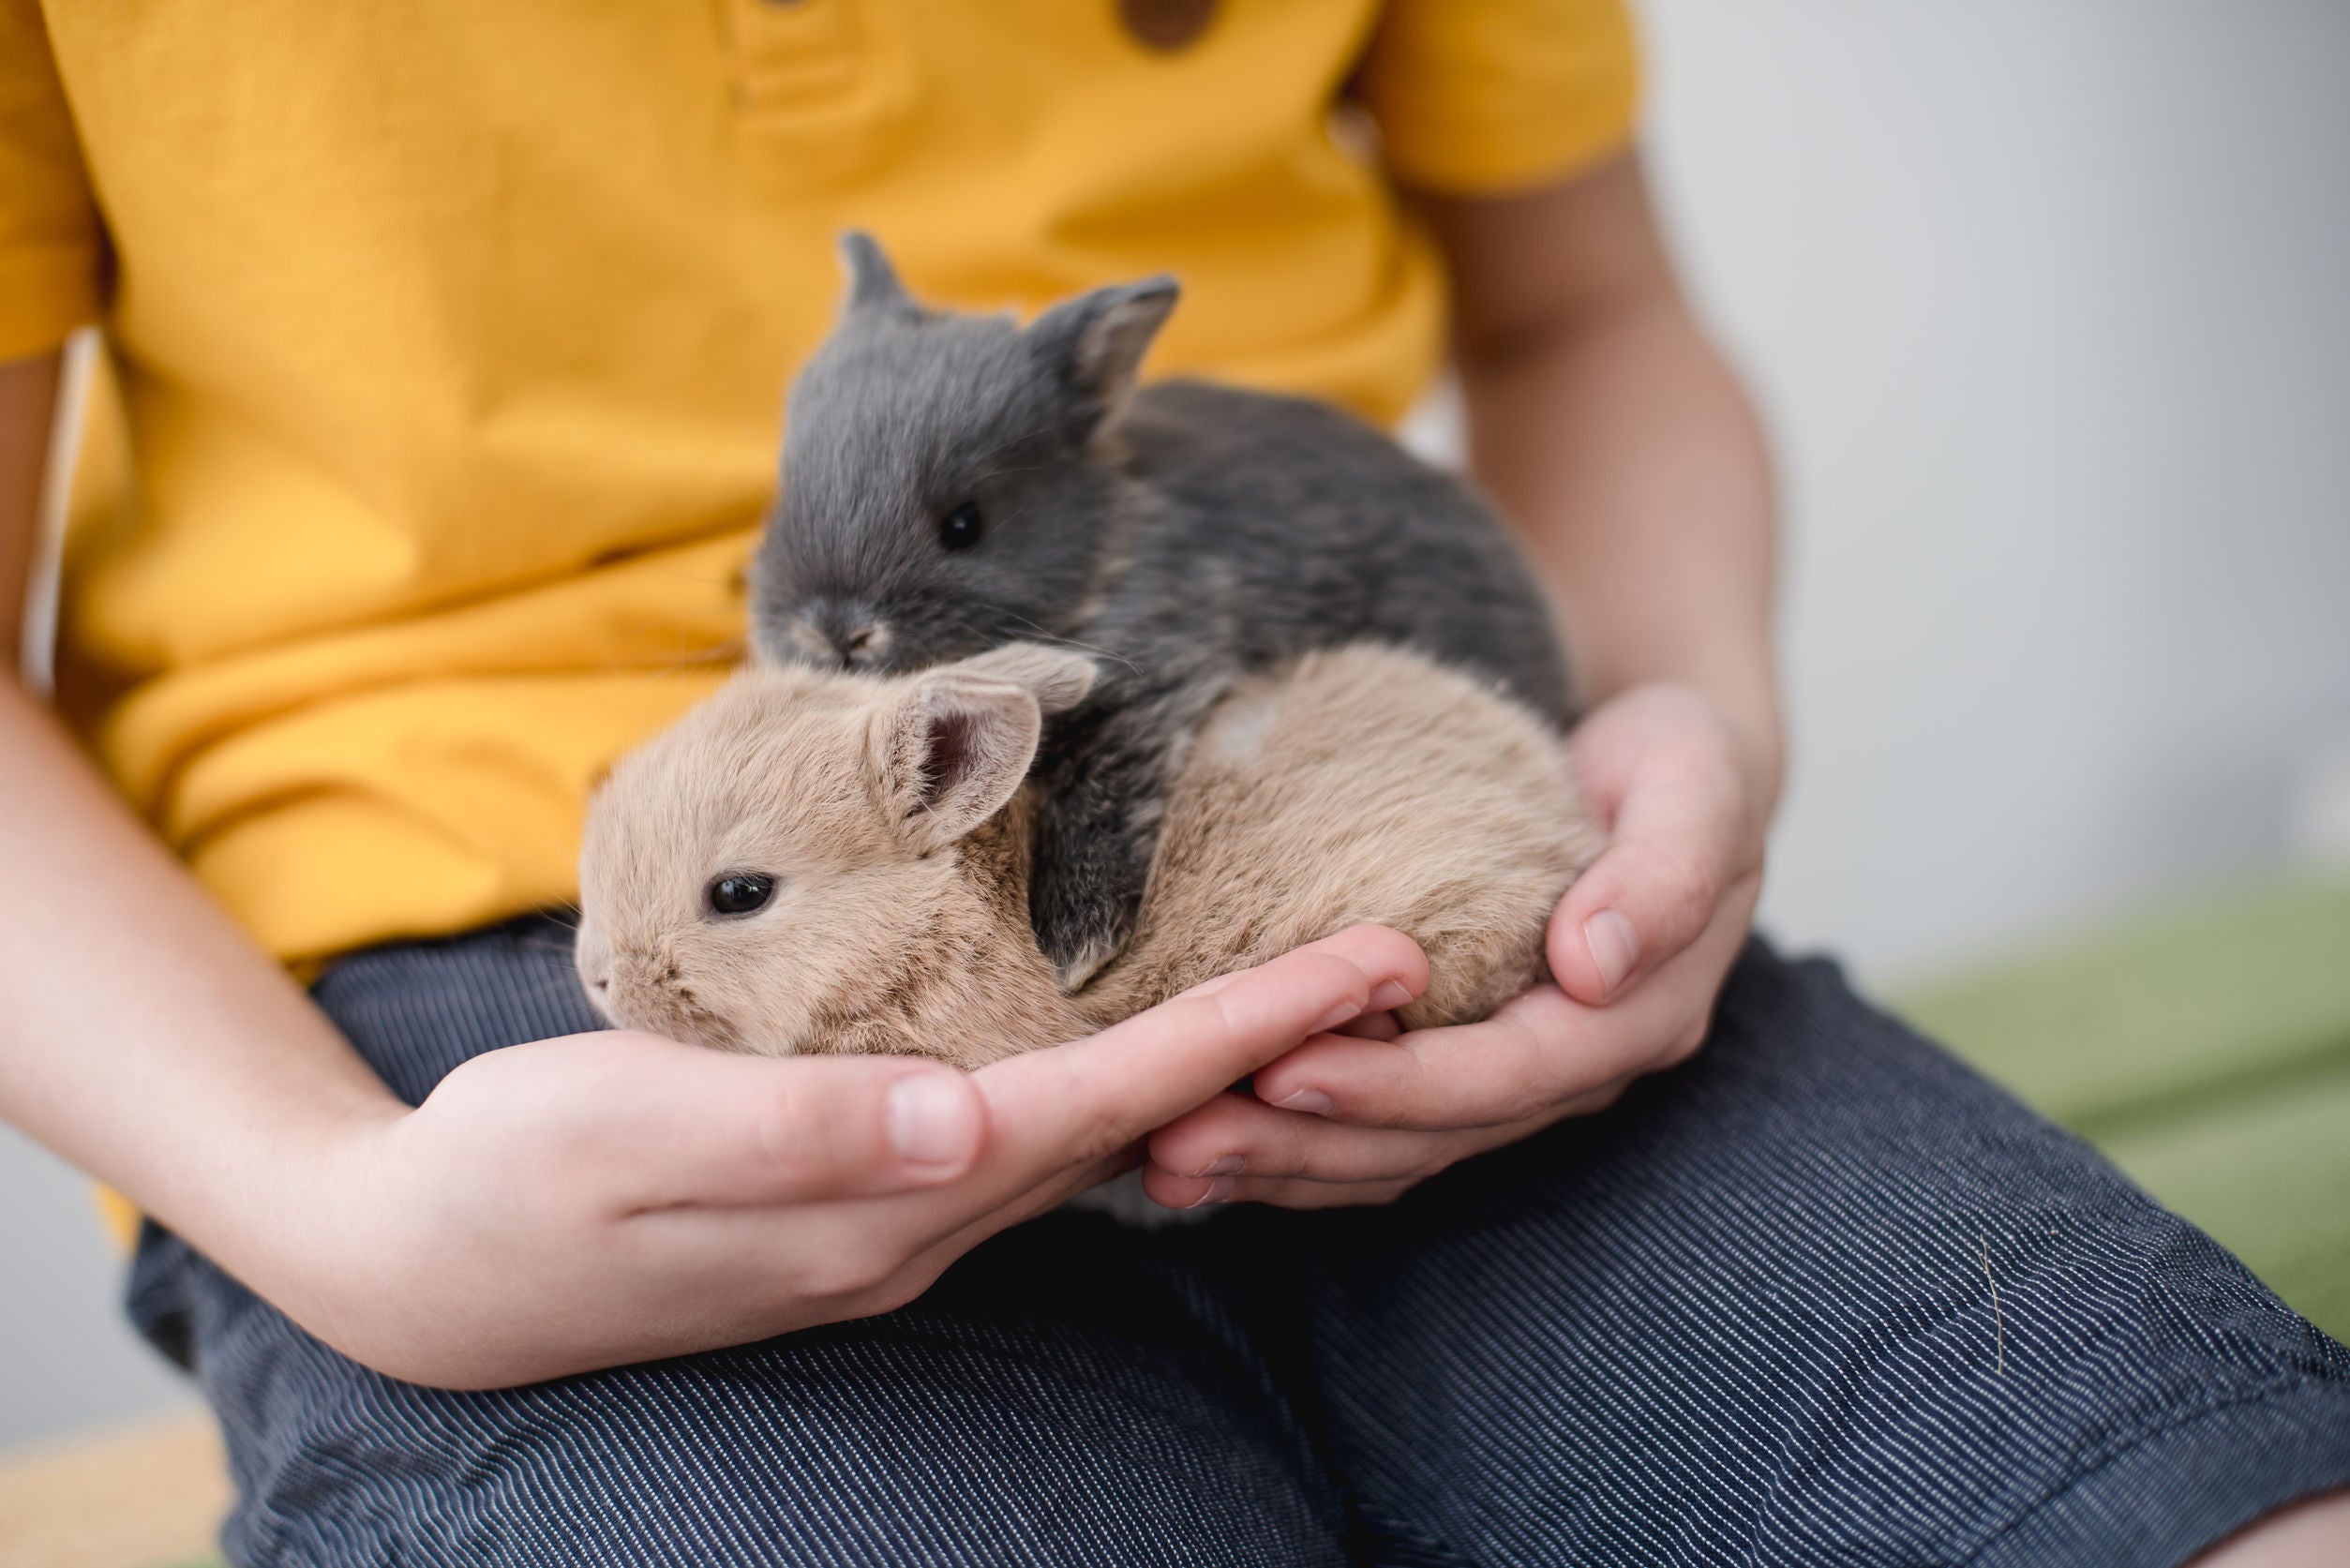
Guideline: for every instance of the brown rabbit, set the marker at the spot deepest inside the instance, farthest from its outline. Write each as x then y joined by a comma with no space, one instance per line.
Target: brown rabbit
829,861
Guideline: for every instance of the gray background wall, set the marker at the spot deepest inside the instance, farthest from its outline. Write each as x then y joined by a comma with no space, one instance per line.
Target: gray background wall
2045,300
2049,303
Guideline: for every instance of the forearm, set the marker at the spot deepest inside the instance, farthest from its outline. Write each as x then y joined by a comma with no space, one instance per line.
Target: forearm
1630,463
141,1037
144,1039
1615,438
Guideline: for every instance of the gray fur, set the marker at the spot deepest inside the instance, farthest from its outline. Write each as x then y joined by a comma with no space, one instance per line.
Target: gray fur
1189,533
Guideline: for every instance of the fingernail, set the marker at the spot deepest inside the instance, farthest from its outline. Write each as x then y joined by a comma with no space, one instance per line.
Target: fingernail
1615,946
1336,1016
1224,1165
1217,1191
929,1119
1393,993
1313,1102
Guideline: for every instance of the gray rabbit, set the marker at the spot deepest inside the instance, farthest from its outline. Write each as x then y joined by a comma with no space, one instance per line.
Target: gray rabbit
951,483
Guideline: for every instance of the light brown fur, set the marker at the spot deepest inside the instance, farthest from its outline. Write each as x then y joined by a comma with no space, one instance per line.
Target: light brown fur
1364,785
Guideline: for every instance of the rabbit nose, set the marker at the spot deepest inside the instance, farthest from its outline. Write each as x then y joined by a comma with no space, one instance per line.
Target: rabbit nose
864,643
849,632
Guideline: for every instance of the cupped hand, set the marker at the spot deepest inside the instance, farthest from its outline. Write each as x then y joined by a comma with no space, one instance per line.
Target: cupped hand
614,1197
1639,949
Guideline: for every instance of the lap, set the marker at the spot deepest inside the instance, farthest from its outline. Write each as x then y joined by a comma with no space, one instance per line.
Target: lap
1026,1411
1066,1395
1746,1316
1823,1295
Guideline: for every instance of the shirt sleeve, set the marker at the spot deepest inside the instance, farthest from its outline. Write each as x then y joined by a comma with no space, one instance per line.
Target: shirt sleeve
51,246
1489,97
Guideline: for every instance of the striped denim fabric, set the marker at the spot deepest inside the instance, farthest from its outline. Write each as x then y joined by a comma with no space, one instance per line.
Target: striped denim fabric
1822,1296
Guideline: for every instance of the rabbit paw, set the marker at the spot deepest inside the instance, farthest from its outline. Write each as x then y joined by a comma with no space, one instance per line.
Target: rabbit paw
1080,924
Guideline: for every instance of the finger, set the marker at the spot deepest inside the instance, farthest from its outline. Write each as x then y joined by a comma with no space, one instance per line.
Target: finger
1328,1195
1325,1184
677,1123
1390,953
1062,1119
1291,1192
1541,1051
1489,1074
1681,839
1382,1025
1078,1101
1235,1135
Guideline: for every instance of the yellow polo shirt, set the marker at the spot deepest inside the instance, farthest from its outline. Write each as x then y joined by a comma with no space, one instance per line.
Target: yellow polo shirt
451,339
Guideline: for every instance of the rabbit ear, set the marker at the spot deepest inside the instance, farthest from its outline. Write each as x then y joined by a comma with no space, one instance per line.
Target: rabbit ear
872,282
952,750
1058,678
1096,341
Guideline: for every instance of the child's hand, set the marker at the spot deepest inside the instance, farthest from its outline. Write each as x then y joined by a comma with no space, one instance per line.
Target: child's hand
615,1197
1361,1121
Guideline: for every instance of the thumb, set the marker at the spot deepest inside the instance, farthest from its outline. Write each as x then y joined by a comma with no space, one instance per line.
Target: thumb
1677,847
697,1127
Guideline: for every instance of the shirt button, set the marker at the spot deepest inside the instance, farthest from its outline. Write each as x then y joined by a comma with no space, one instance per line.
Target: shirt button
1166,25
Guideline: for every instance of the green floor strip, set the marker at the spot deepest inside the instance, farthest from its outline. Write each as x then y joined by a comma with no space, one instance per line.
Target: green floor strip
2207,1051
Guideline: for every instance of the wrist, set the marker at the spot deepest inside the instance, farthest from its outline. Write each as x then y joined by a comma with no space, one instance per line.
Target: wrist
300,1174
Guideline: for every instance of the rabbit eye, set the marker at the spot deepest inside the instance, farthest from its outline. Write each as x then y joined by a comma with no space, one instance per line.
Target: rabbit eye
960,529
739,892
